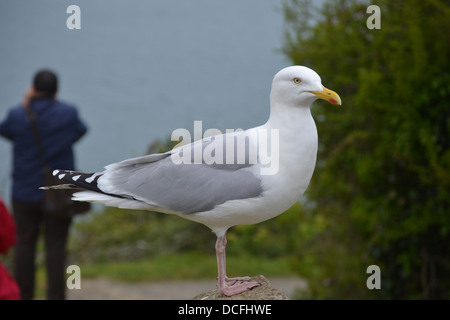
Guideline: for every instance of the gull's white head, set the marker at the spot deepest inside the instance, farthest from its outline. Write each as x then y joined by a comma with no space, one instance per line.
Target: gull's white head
300,86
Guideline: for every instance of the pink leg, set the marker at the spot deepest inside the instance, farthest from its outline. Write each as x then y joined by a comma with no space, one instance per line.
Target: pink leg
229,286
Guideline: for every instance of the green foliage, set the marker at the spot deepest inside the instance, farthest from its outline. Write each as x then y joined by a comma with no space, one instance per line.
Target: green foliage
382,184
129,235
182,266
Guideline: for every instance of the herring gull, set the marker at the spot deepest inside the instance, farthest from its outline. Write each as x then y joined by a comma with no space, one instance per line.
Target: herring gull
238,177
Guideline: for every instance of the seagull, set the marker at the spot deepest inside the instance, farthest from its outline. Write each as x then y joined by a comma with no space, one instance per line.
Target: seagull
227,179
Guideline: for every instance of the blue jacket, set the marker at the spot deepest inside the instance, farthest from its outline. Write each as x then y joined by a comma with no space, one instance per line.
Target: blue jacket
59,128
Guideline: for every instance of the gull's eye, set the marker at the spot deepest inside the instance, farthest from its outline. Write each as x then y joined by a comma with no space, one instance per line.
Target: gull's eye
297,80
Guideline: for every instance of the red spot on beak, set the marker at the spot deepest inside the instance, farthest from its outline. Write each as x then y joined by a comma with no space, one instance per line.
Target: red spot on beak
333,101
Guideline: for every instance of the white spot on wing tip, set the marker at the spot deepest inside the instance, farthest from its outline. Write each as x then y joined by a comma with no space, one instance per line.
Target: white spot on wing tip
75,178
91,178
55,172
61,175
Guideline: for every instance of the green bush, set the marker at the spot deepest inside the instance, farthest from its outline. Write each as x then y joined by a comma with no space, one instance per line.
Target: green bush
382,184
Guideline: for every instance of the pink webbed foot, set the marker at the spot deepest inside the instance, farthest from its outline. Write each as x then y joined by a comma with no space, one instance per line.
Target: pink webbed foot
234,280
238,285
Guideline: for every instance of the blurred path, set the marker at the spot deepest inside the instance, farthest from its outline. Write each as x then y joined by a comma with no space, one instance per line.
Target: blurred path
105,289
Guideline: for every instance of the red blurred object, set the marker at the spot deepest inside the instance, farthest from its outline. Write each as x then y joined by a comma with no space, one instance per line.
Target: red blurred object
9,290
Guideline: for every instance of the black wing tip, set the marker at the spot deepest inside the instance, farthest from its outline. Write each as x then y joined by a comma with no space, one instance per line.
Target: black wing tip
79,180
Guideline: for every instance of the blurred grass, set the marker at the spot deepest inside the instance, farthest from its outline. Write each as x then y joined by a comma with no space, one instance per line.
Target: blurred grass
188,265
185,266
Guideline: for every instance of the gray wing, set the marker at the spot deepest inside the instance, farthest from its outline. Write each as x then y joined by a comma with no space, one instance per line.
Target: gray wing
182,187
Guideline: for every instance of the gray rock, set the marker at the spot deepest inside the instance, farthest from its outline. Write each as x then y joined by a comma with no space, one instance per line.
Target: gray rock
263,292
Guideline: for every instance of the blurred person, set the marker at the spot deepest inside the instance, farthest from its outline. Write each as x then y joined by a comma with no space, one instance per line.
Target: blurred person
59,127
9,290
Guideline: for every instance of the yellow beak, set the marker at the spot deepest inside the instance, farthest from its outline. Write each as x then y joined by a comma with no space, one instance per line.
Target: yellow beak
328,95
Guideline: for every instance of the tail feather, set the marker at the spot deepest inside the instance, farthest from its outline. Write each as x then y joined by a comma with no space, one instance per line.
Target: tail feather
87,185
61,186
111,200
86,188
77,180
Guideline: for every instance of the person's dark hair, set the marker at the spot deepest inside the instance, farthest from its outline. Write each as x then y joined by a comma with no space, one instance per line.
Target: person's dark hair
46,82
